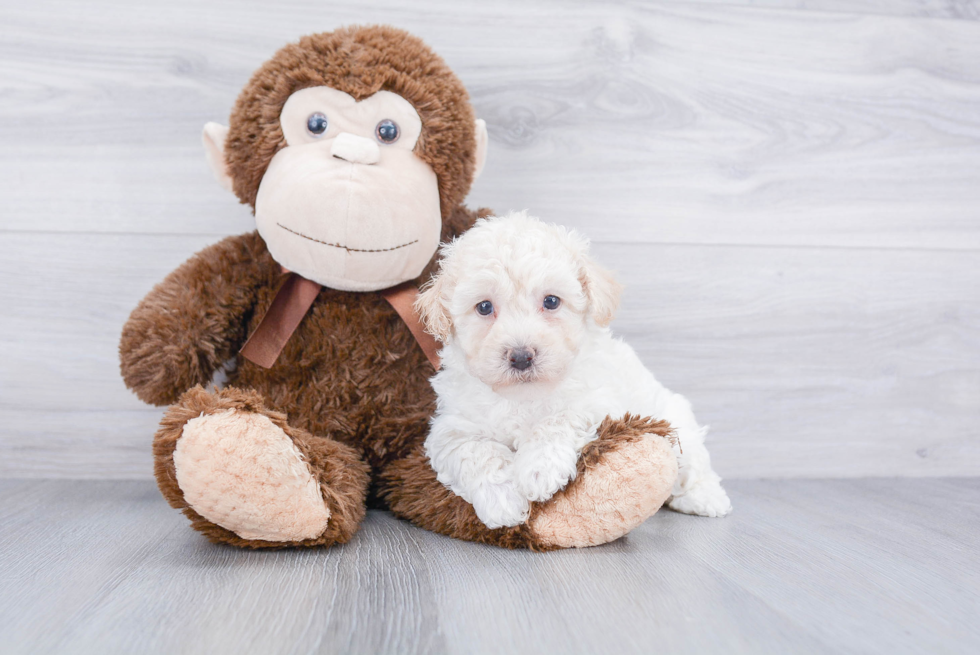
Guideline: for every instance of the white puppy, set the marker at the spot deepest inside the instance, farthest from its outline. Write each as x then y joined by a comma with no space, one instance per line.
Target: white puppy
529,370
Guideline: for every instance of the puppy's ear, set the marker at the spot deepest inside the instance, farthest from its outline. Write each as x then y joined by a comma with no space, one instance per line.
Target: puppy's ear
602,290
432,308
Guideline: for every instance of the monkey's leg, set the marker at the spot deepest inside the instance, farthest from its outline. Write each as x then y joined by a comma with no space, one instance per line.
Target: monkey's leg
410,488
623,478
243,476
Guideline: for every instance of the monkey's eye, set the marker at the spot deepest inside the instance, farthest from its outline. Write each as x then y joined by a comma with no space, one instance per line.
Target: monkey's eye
317,124
551,302
484,308
387,131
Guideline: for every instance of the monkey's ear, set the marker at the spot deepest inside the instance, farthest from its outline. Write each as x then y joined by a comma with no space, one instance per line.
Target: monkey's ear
214,149
432,309
482,143
602,290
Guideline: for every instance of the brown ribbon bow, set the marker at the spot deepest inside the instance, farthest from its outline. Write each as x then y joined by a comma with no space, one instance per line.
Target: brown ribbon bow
293,301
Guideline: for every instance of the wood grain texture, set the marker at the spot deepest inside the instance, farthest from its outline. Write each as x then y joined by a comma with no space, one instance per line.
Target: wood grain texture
806,362
788,188
861,566
947,9
662,122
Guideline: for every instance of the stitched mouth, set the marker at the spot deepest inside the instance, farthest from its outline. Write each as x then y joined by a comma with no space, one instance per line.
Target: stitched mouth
343,247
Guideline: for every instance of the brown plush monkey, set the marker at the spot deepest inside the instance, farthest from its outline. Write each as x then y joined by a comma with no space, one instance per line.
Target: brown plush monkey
355,149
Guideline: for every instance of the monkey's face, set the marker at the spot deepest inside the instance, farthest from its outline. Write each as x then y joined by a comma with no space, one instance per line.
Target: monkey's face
347,203
354,194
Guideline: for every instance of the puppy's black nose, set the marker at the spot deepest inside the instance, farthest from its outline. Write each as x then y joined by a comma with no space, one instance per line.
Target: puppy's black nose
521,358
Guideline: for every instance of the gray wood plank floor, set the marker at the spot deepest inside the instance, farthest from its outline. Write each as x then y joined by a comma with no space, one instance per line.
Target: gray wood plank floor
862,566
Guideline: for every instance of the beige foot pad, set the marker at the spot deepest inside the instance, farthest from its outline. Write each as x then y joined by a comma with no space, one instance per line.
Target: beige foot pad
241,471
607,501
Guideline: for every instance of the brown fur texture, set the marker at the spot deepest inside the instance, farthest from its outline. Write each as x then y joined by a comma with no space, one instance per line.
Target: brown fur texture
613,433
359,61
342,475
351,370
413,492
196,319
624,477
350,387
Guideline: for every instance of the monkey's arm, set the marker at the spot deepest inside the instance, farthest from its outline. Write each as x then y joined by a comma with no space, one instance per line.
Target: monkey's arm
194,320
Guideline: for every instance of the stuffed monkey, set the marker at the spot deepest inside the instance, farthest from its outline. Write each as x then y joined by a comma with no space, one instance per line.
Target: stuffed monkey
355,150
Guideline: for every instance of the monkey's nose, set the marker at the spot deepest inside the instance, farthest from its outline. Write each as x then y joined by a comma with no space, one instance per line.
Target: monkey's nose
521,358
355,149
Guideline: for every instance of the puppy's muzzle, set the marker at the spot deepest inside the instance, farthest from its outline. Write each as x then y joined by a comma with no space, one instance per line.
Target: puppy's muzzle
521,358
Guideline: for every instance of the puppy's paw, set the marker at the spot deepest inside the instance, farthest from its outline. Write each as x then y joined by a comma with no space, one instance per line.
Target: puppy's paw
705,499
541,470
500,505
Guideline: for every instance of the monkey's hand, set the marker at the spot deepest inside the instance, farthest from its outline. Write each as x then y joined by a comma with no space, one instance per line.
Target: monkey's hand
194,320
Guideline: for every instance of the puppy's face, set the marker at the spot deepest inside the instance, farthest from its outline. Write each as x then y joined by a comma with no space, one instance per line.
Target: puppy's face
516,297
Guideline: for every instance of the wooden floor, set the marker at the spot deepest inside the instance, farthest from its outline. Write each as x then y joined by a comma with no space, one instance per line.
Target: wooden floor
864,566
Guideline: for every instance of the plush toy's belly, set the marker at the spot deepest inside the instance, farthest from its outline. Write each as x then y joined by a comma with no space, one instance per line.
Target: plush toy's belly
352,371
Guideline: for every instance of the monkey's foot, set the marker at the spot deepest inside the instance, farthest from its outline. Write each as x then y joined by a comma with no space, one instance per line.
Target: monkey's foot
624,477
244,476
240,471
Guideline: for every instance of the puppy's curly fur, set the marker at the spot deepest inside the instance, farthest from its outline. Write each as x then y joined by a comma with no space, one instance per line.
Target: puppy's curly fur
530,371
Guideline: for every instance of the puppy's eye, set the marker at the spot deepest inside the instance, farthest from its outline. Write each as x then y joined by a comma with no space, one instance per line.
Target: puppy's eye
484,308
551,302
387,131
317,124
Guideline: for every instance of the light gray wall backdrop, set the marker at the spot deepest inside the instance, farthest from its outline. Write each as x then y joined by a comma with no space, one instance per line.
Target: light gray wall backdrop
789,189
